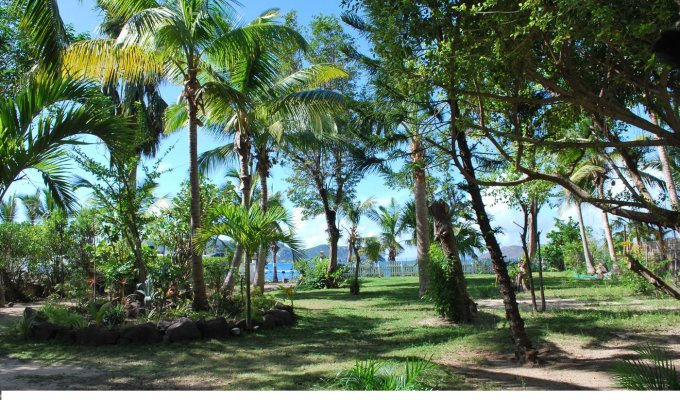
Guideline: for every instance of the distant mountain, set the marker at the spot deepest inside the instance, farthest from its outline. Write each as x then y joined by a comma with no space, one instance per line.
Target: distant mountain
285,255
510,253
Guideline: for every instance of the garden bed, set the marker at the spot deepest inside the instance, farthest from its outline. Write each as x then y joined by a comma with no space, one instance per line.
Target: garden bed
38,327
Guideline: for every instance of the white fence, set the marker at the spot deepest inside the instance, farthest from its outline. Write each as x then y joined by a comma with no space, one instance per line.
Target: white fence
396,268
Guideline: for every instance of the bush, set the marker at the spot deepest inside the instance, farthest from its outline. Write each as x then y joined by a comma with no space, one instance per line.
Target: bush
261,303
114,316
377,375
652,370
314,274
63,316
215,270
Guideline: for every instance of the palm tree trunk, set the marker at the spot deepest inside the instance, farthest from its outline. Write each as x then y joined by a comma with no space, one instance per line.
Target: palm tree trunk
350,246
444,233
249,321
392,254
200,301
355,288
533,227
523,347
607,227
422,223
263,172
584,240
275,250
667,172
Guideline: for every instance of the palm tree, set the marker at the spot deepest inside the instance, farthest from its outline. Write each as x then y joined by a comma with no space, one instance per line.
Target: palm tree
8,209
252,228
49,113
187,42
38,206
571,200
388,218
353,211
272,108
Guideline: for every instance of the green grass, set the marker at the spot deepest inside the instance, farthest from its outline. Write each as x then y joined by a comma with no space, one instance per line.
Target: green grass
387,321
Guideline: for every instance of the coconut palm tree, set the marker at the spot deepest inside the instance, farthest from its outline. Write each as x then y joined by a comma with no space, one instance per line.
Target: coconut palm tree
188,42
353,211
49,113
388,218
572,201
252,228
38,206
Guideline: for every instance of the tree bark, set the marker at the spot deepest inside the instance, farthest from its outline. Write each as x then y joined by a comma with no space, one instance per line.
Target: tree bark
2,289
422,223
275,250
200,300
523,347
355,288
584,240
607,227
249,320
659,283
666,169
533,227
464,306
333,238
392,254
263,172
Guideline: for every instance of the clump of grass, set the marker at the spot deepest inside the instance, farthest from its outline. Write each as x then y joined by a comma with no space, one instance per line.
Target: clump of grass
379,375
60,315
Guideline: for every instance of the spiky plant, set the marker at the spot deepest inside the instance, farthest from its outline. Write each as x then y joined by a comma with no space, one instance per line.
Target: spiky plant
653,369
379,375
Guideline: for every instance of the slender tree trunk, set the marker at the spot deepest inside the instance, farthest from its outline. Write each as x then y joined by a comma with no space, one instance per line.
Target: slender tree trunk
263,172
275,250
523,348
584,240
350,247
464,305
392,255
230,280
355,288
667,172
607,227
422,223
533,227
249,320
140,265
200,301
333,237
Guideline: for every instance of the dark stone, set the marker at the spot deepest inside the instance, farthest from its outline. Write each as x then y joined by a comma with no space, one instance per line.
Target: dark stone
184,329
65,336
281,306
281,317
44,330
235,331
145,334
33,314
214,328
241,324
268,322
122,340
163,326
94,336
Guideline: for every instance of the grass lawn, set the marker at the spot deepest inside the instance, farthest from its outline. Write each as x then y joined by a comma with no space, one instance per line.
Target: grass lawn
386,321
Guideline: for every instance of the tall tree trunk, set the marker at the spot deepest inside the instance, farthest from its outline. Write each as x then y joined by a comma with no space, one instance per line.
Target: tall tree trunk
275,250
333,237
249,320
667,172
230,280
533,227
523,348
422,223
607,227
200,301
350,247
584,240
392,254
464,306
263,173
355,289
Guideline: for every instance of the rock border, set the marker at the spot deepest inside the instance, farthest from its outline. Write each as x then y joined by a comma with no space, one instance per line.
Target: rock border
181,330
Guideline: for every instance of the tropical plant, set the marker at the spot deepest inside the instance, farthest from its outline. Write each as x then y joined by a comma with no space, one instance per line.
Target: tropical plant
251,228
60,315
652,370
8,209
389,219
48,114
380,375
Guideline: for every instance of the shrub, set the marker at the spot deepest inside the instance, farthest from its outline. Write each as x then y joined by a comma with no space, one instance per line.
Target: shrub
113,316
652,370
314,274
261,303
377,375
63,316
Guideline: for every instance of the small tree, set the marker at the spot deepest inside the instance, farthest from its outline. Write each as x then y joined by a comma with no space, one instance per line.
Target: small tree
251,228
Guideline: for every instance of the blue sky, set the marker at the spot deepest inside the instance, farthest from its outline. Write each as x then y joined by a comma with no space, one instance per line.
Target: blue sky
85,19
